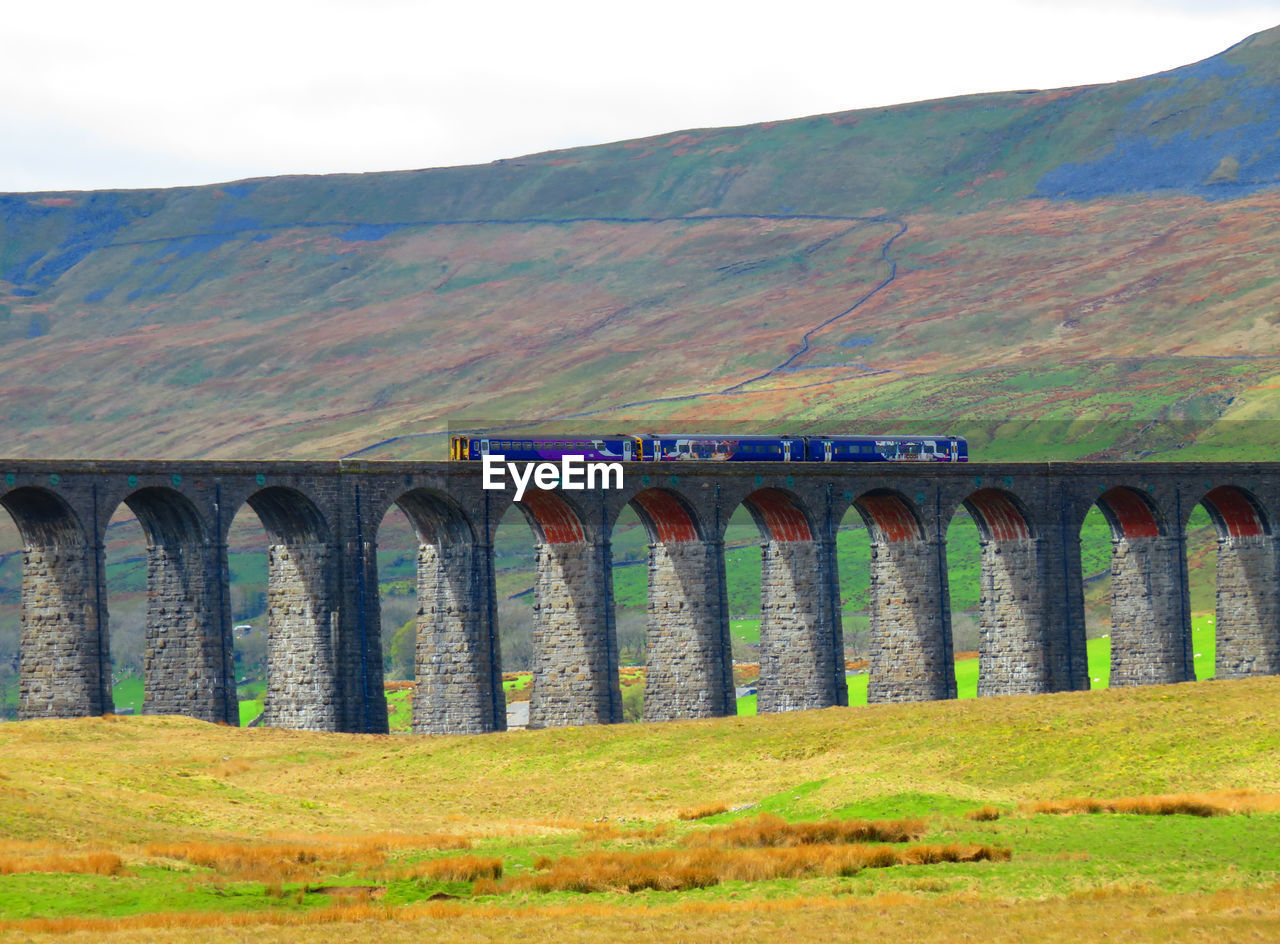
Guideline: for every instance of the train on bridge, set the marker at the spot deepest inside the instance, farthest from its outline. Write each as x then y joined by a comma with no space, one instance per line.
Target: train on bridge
707,447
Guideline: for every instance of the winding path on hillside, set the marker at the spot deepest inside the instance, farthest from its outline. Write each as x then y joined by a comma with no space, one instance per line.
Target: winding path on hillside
737,389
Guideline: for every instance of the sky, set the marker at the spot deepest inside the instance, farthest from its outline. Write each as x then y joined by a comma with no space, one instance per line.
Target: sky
144,93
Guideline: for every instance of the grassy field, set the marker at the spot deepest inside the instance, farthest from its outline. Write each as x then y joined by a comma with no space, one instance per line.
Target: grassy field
167,829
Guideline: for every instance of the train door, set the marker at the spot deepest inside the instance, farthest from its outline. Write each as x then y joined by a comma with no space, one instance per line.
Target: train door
826,450
626,450
484,448
786,450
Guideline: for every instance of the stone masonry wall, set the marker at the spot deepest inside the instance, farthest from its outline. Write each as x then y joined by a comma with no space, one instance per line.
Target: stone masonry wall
187,636
1248,607
60,672
796,636
575,649
1012,657
685,666
1150,628
302,630
453,665
911,654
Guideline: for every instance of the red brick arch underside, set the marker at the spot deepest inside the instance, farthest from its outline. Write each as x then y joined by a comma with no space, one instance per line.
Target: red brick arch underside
1234,513
556,521
1129,513
780,516
668,520
890,517
998,515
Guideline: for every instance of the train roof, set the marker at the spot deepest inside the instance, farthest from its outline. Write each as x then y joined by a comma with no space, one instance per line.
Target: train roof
882,437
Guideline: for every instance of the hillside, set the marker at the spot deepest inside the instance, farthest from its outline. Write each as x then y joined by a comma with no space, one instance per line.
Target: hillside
1047,272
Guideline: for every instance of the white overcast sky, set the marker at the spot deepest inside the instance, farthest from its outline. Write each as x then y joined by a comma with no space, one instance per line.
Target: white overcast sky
157,93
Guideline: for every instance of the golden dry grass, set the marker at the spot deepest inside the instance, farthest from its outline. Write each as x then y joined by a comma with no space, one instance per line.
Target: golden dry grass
983,814
685,869
766,830
1213,803
298,860
89,863
458,869
1223,917
702,812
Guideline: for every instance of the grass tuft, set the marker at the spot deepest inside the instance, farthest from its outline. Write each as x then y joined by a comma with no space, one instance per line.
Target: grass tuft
1220,803
682,870
983,814
90,863
702,812
460,869
773,831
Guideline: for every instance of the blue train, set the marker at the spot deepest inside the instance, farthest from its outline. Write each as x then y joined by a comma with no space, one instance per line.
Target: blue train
687,446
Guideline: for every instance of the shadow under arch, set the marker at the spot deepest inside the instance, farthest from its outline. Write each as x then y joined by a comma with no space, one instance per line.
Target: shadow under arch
689,656
63,652
1247,603
188,660
1150,607
911,657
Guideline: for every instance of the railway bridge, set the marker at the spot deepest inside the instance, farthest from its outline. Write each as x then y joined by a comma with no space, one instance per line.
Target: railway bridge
323,642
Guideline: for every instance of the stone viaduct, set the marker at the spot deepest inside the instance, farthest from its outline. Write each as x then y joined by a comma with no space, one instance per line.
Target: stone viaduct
324,651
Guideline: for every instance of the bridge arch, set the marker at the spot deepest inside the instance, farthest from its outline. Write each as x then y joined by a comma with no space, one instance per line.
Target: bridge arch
63,655
801,647
574,658
1131,514
1150,610
187,657
911,647
889,516
688,653
1014,649
304,644
1246,619
456,664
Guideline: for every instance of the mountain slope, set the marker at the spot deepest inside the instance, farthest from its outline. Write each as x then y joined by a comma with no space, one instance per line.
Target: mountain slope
1098,252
